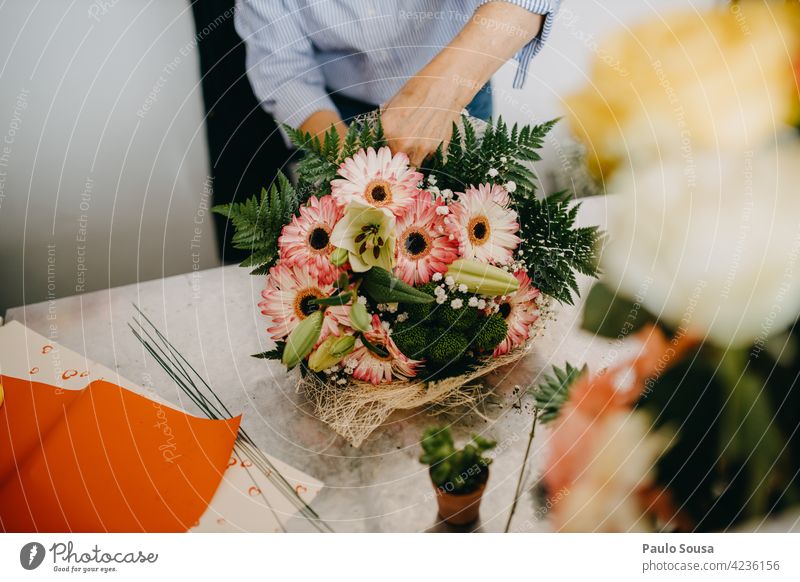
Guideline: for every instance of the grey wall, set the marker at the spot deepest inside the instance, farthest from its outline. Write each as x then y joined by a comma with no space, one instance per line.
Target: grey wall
103,156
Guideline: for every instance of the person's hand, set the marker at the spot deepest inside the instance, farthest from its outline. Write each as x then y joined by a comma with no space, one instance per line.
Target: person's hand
420,116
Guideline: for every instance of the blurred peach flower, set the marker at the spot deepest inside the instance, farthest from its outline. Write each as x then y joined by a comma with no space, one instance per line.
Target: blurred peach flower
602,452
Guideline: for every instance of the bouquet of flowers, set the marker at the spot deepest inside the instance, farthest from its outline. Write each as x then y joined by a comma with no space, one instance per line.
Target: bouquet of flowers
698,431
391,286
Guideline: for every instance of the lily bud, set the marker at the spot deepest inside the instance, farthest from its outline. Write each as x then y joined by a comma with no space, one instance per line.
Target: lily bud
339,256
319,358
343,346
360,318
301,341
482,278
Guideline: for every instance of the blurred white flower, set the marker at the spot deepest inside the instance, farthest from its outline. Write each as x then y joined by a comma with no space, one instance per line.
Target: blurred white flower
711,246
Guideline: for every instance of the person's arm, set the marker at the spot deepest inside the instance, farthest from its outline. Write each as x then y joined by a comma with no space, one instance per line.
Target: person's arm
281,65
421,114
319,122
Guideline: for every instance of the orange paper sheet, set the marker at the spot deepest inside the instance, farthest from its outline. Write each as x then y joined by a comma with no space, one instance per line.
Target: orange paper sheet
104,459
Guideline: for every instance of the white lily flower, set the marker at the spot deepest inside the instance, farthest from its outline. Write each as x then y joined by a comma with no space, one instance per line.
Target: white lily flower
368,235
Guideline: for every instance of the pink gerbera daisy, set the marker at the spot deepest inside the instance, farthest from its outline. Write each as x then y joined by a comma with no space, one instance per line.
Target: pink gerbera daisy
371,367
486,226
520,312
424,247
306,240
377,178
288,300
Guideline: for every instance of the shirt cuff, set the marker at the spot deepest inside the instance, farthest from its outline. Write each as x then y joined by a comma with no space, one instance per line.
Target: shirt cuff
548,9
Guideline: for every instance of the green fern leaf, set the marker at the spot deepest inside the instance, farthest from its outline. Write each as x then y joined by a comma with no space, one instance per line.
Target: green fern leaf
258,222
552,247
553,391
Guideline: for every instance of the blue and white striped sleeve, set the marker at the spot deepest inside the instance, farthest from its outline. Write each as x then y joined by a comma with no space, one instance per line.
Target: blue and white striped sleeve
283,72
548,9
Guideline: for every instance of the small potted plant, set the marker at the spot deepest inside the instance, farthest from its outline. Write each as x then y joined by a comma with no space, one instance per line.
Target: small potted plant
459,476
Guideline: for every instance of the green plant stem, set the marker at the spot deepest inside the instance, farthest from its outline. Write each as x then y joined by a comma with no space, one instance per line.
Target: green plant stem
521,478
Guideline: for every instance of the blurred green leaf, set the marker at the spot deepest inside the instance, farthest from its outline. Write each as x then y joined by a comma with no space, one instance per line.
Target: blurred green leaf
610,315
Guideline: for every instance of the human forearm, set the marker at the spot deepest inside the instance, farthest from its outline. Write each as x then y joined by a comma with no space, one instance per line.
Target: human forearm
494,34
421,114
321,121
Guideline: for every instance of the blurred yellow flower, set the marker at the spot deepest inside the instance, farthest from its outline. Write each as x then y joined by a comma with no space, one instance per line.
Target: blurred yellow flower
723,79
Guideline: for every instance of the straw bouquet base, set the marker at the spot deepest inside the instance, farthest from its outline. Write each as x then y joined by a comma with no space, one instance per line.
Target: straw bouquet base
356,410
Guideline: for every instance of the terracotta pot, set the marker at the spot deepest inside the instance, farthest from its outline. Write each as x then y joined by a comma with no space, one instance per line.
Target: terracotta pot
461,508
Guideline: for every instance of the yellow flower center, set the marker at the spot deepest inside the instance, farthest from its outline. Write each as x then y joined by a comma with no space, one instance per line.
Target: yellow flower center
479,230
378,193
303,305
416,243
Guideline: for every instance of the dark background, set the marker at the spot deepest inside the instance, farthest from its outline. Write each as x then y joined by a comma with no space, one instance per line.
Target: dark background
245,148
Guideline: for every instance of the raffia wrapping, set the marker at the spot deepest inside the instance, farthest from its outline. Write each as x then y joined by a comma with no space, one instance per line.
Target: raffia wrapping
354,411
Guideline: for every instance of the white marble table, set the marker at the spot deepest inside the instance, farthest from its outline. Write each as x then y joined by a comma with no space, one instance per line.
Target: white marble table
211,316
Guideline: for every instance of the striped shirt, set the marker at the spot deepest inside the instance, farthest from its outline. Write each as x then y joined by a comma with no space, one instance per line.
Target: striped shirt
299,50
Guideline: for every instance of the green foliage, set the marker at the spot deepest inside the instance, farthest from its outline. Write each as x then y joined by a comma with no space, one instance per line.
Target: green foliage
729,460
491,331
468,158
411,338
553,391
340,299
419,312
455,471
443,335
275,353
610,315
448,348
258,223
552,247
462,319
321,157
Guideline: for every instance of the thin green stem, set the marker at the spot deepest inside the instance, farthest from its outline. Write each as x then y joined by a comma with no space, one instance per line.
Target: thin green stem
521,478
